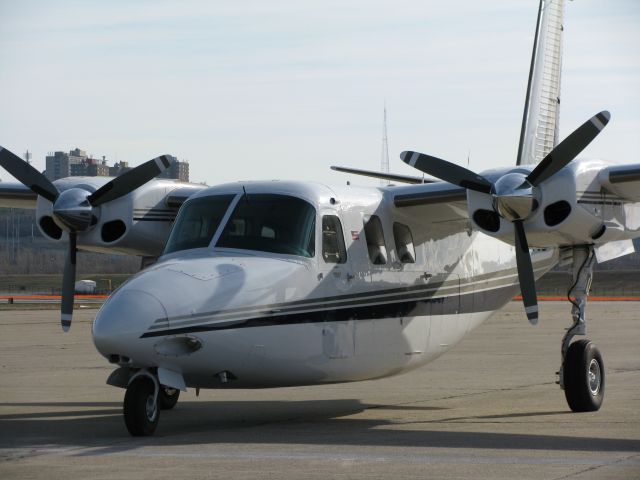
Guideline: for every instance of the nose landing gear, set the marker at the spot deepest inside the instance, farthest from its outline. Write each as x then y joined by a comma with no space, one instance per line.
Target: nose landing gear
141,408
582,371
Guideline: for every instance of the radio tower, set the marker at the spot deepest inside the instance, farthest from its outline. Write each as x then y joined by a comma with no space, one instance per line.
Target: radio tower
384,157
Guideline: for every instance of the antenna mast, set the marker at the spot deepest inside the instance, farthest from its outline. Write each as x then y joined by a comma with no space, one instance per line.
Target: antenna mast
384,157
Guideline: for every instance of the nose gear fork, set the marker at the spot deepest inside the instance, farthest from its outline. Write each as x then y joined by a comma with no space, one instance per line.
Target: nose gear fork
583,262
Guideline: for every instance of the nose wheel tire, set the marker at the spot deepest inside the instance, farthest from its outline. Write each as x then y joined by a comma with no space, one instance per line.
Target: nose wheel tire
583,377
168,397
141,412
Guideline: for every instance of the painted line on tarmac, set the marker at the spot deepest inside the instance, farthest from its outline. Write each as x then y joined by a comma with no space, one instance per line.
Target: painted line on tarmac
472,459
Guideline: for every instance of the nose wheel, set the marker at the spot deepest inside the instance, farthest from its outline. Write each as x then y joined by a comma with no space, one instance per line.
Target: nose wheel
141,408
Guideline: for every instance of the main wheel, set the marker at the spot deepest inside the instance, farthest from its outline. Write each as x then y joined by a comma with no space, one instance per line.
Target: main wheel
168,397
141,412
583,377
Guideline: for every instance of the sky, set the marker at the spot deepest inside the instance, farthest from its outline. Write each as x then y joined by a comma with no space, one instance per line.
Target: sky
283,89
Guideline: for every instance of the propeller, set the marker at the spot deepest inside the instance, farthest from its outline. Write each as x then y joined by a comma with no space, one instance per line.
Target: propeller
75,209
515,195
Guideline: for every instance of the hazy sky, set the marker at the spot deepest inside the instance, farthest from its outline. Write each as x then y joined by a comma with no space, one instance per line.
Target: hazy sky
283,89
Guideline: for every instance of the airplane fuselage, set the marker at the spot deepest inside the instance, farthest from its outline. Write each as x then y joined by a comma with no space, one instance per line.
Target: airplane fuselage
372,290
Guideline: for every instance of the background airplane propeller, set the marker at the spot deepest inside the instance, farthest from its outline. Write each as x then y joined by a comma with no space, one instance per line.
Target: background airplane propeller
515,195
74,210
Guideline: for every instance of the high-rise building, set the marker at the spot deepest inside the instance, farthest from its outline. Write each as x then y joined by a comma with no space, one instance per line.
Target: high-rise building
57,166
178,170
77,163
96,168
62,164
119,168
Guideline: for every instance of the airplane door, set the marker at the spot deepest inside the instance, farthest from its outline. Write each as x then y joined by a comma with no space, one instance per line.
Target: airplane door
335,266
342,255
339,278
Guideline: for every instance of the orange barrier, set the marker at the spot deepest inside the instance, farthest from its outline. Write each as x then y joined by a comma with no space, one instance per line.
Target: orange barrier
607,298
542,298
51,297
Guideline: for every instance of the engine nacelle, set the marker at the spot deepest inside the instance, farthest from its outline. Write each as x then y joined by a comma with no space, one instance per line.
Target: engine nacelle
574,209
134,224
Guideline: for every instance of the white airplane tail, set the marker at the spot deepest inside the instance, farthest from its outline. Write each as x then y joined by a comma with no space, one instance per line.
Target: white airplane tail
539,132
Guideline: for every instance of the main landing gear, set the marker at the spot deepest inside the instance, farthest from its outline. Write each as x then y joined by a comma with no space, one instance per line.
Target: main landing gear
143,400
582,370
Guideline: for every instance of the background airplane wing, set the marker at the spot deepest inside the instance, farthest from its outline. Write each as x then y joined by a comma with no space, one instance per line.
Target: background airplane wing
17,195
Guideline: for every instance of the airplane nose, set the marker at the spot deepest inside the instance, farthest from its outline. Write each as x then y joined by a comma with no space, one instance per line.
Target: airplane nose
123,318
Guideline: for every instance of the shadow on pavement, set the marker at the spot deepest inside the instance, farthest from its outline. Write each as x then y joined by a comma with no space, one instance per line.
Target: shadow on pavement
311,422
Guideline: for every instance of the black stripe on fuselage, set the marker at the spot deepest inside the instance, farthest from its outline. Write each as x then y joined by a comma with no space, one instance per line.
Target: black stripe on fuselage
482,301
153,219
427,288
314,303
599,202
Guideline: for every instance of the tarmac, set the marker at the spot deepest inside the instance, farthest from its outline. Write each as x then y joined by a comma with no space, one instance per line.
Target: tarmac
489,408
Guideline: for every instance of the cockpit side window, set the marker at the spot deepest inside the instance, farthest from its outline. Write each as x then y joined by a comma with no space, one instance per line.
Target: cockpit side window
375,240
333,249
197,222
271,223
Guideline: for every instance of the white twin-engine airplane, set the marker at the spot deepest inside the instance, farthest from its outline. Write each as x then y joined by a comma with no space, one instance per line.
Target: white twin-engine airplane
268,284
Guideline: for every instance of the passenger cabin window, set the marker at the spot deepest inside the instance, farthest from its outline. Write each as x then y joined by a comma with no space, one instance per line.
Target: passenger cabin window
197,222
375,240
333,249
271,223
404,243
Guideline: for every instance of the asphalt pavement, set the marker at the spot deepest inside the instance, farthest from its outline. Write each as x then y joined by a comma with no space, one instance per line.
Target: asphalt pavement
489,408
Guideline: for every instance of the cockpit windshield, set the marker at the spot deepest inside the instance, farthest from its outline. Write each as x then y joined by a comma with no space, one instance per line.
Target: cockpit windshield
197,222
271,223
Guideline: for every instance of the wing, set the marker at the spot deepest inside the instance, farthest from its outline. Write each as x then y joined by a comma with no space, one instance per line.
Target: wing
437,201
392,177
622,180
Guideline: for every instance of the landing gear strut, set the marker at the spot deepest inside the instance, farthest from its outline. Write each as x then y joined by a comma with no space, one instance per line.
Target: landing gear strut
141,408
582,370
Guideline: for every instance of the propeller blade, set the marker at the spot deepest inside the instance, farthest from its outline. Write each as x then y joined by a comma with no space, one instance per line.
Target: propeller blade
569,148
525,274
69,283
129,181
447,171
27,175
